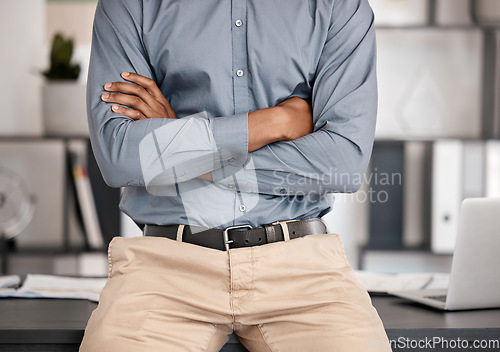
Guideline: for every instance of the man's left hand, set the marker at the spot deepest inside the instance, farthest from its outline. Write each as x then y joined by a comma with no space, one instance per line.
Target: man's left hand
144,99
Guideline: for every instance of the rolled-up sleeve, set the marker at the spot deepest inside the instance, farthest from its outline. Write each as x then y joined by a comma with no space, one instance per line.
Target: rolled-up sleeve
335,156
162,151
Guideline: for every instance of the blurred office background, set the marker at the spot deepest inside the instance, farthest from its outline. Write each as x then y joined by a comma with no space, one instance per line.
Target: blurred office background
437,140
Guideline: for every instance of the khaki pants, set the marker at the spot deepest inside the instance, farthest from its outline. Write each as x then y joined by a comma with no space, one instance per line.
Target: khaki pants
298,295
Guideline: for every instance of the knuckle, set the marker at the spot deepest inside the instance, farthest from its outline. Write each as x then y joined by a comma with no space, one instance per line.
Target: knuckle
133,100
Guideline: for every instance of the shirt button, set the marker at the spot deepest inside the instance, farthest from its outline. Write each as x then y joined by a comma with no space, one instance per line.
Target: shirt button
239,73
238,23
242,208
231,186
282,191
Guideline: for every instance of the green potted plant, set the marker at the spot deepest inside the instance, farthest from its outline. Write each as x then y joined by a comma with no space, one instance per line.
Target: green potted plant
63,96
61,67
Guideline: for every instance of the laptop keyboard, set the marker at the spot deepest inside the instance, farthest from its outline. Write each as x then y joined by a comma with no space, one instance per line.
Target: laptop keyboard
441,298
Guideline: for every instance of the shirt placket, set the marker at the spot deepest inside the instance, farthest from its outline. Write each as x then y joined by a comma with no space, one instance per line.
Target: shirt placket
240,75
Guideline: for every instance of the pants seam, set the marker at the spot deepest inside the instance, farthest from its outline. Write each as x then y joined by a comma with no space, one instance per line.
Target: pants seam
253,268
231,289
259,326
110,260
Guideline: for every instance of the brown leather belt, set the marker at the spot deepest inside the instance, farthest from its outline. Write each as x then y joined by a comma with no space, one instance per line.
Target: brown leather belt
238,236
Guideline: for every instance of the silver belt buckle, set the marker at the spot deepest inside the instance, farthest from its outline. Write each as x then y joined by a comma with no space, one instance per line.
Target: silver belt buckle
225,234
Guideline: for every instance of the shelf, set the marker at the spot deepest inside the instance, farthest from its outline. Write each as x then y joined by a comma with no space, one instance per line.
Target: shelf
431,27
54,251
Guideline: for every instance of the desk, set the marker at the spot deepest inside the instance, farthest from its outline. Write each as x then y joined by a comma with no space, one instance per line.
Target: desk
57,325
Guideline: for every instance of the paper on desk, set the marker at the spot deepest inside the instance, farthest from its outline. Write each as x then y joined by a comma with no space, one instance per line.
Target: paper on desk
382,282
439,281
86,288
50,286
7,292
9,280
7,283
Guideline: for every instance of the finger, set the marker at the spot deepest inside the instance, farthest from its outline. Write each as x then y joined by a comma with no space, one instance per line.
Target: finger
146,83
132,89
168,108
133,114
131,101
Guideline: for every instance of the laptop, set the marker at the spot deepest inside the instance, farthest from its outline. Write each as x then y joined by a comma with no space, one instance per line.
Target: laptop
475,271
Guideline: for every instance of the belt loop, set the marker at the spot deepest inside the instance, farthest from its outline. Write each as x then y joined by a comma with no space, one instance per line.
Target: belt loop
180,231
284,227
270,233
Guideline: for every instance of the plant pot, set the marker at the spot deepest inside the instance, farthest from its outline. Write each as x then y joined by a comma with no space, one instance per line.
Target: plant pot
64,109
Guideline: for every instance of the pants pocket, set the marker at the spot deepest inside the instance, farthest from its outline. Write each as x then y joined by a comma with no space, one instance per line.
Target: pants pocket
338,249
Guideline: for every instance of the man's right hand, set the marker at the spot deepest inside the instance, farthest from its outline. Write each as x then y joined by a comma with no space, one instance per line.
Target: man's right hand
142,99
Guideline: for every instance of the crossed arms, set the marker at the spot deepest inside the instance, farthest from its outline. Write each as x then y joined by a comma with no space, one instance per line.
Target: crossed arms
334,133
287,121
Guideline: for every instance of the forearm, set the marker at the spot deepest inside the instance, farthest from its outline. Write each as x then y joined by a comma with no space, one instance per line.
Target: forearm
265,126
153,152
115,145
289,120
318,163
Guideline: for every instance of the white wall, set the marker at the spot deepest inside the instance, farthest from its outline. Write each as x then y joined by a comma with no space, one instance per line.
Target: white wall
22,25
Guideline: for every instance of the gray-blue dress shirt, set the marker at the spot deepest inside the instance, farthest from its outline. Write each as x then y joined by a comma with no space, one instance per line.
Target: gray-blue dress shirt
216,61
